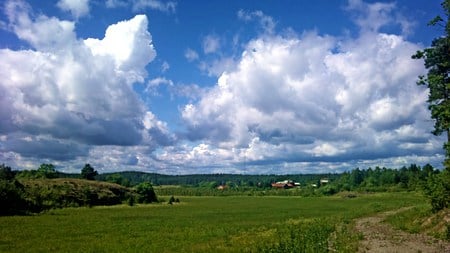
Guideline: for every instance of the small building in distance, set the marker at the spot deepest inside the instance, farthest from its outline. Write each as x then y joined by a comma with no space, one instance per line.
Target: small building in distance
222,187
286,184
324,181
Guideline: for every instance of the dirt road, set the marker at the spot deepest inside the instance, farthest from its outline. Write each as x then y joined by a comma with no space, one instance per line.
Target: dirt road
380,237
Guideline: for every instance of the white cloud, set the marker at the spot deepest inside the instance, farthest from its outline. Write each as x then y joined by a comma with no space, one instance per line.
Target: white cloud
211,44
286,104
142,5
317,98
191,55
153,85
217,66
374,16
71,94
43,33
120,44
266,22
168,6
165,66
78,8
115,3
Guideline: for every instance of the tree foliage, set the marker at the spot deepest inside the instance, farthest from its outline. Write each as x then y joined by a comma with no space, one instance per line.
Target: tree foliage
47,170
437,62
145,192
6,173
88,172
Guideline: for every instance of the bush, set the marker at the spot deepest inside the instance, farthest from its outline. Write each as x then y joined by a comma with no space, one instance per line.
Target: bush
12,198
437,190
145,192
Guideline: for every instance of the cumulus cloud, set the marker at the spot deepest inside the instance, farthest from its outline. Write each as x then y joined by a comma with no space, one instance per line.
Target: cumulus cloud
128,44
41,32
315,98
78,8
68,93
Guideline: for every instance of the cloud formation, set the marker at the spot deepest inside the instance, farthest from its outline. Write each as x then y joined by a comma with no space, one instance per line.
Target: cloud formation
266,22
168,6
315,98
140,5
211,44
67,93
281,102
78,8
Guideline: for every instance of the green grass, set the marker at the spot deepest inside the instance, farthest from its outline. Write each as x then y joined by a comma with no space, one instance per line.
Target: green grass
197,224
421,219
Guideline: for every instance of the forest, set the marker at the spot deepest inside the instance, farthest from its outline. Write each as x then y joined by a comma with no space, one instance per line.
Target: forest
32,191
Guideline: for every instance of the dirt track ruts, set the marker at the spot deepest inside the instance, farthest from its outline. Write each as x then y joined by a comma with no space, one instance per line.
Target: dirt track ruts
380,237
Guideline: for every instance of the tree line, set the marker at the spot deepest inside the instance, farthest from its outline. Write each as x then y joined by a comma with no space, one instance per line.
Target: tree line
19,188
34,191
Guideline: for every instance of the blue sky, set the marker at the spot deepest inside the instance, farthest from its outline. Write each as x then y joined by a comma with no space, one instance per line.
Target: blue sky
180,87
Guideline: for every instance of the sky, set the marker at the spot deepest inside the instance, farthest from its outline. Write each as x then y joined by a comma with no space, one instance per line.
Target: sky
239,86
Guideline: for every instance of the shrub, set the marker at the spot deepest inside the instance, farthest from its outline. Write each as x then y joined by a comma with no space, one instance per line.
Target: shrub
12,200
437,190
145,192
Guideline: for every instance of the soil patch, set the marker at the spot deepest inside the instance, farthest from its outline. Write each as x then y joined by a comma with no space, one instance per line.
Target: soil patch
380,237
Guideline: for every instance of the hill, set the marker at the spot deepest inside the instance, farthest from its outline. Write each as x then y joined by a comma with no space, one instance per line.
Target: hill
64,192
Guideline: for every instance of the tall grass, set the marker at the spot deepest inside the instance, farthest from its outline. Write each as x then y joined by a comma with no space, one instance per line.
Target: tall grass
197,224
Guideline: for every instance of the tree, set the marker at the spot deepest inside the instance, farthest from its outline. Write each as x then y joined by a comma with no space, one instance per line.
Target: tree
437,62
47,170
6,173
88,172
145,192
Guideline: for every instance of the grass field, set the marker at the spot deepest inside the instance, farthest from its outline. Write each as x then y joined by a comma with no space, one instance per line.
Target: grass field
197,224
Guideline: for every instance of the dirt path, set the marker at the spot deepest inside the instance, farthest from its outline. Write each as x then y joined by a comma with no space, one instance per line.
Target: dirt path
380,237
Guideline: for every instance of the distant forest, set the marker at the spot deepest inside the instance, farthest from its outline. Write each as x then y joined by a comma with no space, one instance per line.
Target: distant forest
46,187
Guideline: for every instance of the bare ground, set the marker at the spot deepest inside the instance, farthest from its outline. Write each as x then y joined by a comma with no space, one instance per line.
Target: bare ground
380,237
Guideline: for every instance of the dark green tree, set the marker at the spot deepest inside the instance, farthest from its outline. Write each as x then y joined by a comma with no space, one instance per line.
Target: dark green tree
145,192
47,170
88,172
437,61
12,198
6,172
171,200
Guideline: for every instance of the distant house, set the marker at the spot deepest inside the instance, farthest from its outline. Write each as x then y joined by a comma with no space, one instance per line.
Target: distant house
222,187
286,184
324,181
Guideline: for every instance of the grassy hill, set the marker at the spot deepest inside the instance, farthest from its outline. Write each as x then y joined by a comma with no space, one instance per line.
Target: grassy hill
71,192
24,196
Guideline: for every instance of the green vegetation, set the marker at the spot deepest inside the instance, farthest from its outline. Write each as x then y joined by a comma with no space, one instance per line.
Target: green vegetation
422,219
25,187
35,191
88,172
200,224
251,215
437,61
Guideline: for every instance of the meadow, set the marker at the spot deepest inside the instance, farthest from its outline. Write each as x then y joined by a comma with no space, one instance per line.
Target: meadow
196,224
